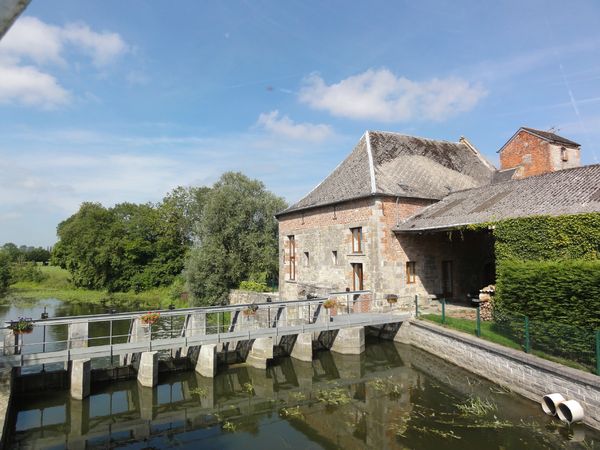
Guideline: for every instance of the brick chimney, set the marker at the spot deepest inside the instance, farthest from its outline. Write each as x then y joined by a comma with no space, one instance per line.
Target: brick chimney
534,152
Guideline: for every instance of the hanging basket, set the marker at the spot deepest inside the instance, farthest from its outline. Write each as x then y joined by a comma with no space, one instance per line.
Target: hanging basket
149,318
21,326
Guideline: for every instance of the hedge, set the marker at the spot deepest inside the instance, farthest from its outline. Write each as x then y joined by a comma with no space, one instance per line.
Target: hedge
565,291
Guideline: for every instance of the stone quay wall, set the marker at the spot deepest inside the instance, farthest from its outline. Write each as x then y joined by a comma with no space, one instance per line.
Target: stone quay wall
523,373
240,297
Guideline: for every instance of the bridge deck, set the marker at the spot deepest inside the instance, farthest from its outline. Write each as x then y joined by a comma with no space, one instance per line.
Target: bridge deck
354,309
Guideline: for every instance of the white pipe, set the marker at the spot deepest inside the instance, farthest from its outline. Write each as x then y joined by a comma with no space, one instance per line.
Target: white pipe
550,402
570,411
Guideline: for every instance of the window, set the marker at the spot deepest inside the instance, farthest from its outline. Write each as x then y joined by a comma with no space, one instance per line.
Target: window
410,272
357,277
356,239
564,155
306,259
292,252
334,259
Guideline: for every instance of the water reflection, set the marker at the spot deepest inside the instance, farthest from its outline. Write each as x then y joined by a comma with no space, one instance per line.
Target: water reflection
392,396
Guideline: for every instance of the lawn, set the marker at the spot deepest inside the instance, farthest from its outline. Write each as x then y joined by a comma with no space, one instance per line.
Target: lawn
491,333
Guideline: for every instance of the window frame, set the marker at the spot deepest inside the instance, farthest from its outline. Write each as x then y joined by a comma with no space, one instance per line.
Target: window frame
358,272
292,256
411,272
357,238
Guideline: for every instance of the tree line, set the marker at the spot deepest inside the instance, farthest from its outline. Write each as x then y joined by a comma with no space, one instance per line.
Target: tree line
208,238
18,263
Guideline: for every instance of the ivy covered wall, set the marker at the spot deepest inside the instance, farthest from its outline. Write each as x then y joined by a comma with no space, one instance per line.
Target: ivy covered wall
548,268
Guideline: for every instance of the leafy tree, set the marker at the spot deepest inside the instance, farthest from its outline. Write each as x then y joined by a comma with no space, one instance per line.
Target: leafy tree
12,251
127,247
5,262
236,238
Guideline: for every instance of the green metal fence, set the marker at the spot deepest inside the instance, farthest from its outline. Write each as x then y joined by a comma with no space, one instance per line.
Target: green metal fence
556,341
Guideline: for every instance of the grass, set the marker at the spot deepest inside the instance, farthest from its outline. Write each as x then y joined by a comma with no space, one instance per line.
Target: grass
57,284
490,334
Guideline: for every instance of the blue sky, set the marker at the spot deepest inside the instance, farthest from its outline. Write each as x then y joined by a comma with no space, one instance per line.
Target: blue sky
117,101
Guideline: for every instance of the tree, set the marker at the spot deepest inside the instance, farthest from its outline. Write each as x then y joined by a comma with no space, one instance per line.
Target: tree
236,238
127,247
5,263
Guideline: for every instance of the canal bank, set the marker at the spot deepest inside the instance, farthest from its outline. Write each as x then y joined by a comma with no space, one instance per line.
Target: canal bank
523,373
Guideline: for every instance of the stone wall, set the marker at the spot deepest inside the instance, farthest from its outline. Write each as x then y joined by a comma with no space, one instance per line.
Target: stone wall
522,373
320,232
240,297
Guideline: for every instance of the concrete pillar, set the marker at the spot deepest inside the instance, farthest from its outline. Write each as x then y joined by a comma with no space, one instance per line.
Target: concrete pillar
139,333
349,341
207,361
81,378
349,366
303,349
146,403
78,418
10,342
148,371
78,334
195,326
262,350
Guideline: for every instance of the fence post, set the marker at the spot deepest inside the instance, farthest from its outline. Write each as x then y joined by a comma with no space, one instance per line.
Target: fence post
527,342
443,310
597,352
478,330
416,306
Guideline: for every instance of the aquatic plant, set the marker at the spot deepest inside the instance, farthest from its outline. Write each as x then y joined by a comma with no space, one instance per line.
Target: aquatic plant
291,413
229,426
299,396
248,388
476,406
444,434
199,391
334,397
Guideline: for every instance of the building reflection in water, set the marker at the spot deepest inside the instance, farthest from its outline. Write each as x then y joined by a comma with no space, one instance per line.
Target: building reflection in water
186,409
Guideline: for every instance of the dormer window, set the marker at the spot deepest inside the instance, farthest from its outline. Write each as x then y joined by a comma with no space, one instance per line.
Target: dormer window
564,155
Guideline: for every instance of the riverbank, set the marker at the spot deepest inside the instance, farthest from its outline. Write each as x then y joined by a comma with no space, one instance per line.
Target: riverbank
57,284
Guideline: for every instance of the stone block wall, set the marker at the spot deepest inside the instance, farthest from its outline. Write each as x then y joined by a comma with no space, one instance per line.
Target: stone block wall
520,372
241,297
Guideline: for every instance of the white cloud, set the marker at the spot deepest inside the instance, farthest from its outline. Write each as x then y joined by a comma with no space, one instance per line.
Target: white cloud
28,86
381,95
286,127
102,47
32,43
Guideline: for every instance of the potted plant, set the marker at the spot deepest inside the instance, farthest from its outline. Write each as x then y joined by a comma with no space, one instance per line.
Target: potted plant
250,310
329,303
392,299
150,318
21,326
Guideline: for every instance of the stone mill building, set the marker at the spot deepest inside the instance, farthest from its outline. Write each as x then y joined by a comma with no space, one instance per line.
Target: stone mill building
383,219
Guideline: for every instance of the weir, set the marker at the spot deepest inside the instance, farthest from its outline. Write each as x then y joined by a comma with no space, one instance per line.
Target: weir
204,337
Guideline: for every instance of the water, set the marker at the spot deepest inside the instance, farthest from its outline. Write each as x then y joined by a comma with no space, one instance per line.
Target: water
393,396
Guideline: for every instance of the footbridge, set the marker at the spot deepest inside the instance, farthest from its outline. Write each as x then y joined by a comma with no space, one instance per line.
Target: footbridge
254,333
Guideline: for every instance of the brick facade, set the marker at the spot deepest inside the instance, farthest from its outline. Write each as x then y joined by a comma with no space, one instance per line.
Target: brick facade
324,230
535,156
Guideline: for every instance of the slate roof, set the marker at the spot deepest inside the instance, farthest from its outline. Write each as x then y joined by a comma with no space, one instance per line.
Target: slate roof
385,163
569,191
546,135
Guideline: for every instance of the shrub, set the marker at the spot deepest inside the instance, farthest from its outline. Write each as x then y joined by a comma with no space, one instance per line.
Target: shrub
26,272
253,286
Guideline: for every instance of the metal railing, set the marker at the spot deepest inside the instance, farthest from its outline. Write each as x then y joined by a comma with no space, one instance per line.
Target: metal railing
108,335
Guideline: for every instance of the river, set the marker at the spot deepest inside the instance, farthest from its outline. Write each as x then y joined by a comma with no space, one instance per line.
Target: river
392,396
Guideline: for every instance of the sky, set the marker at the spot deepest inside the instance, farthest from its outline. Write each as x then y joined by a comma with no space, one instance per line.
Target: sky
113,101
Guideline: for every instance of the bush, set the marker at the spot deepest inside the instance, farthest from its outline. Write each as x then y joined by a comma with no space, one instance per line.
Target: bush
253,286
553,291
4,271
26,272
